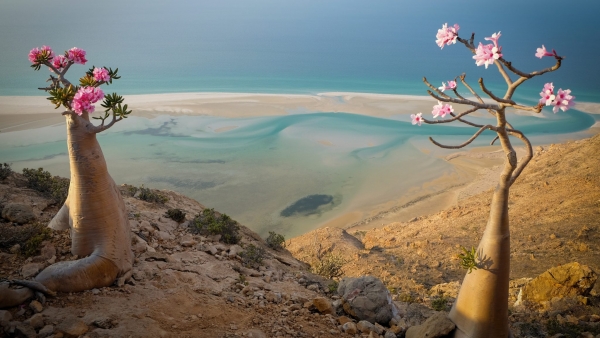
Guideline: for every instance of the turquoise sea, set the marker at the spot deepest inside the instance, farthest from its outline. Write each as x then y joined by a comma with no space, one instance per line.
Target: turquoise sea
270,173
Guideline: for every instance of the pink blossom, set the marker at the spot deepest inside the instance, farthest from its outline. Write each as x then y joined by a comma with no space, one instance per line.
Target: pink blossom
84,99
77,55
451,85
541,52
101,74
35,53
563,101
547,94
441,110
447,35
59,62
417,119
487,54
494,38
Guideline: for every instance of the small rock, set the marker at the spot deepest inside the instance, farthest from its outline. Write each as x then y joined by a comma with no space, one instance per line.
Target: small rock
24,330
389,334
349,328
323,305
36,321
36,306
15,249
187,241
235,250
95,291
72,327
18,213
435,326
377,328
5,317
364,326
46,331
343,320
48,251
31,269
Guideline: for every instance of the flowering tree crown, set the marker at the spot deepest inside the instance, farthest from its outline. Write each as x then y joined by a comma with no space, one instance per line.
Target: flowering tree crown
80,98
486,55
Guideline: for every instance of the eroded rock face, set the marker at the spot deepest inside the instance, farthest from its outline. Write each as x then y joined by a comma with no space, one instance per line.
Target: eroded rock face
366,298
569,280
18,213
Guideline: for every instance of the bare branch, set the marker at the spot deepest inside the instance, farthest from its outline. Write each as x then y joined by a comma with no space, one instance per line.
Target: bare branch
481,130
455,117
434,88
479,105
503,73
494,140
490,94
102,127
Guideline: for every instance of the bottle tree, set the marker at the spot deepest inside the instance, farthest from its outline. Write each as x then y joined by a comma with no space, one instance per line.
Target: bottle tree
94,210
481,308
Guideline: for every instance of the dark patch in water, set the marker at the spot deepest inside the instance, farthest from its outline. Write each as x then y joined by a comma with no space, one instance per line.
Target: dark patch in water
163,130
307,205
48,157
185,183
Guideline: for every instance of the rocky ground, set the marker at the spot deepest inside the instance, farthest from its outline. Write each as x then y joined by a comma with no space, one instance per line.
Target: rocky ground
190,285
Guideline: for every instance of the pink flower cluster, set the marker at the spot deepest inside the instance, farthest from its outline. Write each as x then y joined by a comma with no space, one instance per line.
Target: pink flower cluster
417,118
77,55
441,110
35,53
84,99
451,85
541,52
59,62
447,35
101,74
563,99
487,54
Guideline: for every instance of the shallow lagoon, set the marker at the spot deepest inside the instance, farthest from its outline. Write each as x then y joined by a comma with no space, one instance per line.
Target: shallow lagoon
285,173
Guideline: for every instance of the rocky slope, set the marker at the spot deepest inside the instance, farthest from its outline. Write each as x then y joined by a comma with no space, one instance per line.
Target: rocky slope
190,285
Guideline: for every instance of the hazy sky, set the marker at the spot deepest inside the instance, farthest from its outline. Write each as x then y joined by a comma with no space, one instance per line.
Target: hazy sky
167,41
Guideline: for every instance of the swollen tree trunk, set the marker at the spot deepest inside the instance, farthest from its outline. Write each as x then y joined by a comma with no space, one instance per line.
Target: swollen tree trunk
95,213
481,308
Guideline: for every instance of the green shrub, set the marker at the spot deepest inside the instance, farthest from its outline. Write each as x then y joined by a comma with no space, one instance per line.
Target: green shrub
5,171
208,222
275,241
468,259
176,214
252,256
329,266
54,187
29,236
333,286
149,195
440,303
32,245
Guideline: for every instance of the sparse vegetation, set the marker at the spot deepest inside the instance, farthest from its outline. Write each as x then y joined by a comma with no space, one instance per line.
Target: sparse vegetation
440,303
54,187
468,259
275,241
5,171
209,223
333,286
29,236
406,297
252,256
148,195
329,266
176,214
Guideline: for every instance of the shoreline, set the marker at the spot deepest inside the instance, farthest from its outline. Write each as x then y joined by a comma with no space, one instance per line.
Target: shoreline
28,112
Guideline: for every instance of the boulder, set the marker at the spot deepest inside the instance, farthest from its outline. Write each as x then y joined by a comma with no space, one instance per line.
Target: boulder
564,281
72,327
438,325
18,213
366,298
31,269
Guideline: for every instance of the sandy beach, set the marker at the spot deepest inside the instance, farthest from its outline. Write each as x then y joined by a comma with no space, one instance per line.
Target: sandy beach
475,170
